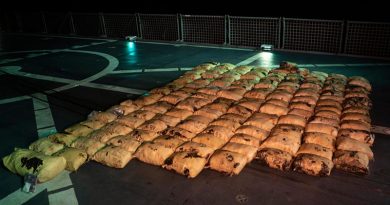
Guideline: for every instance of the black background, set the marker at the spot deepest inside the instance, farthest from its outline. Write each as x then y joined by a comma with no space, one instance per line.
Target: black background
318,9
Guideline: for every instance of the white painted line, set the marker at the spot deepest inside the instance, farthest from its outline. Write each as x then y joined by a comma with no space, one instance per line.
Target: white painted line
63,180
116,88
15,70
380,130
33,55
63,197
150,70
35,76
330,65
306,65
15,99
217,47
161,69
29,51
66,197
199,46
10,60
126,71
77,47
185,69
43,116
249,60
40,101
112,64
98,43
47,131
18,197
56,50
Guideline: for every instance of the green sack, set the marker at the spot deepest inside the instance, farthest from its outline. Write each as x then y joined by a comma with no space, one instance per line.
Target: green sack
46,146
24,161
74,158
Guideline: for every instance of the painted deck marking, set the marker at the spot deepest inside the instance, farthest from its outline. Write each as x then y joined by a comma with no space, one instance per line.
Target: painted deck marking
45,126
15,99
62,180
160,69
197,46
126,71
112,64
43,115
116,88
380,130
249,60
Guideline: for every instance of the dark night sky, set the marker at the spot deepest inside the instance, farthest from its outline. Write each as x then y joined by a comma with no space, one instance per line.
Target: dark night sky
320,9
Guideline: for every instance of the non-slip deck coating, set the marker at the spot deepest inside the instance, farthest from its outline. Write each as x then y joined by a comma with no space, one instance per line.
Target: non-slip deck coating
145,184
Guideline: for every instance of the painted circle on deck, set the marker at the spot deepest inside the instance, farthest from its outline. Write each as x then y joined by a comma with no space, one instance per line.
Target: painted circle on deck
10,69
112,65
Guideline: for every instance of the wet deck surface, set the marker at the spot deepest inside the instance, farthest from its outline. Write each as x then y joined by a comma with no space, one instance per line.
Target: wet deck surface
140,183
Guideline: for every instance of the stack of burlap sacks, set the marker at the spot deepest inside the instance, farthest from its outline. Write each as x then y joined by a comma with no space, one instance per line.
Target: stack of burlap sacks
222,117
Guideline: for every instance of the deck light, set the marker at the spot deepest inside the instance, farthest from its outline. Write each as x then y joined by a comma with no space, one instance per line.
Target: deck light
266,47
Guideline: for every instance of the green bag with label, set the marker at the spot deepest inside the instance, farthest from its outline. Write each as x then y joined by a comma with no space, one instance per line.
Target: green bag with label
24,161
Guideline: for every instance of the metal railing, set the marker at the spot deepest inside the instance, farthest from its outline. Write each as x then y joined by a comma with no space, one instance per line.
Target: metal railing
254,31
309,35
203,29
364,38
57,22
120,25
159,27
313,35
87,24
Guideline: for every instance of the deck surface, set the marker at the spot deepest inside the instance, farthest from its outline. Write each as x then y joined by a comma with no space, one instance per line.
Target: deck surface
38,69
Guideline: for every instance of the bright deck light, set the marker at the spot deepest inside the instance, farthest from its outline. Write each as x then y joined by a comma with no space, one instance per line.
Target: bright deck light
266,47
131,38
266,58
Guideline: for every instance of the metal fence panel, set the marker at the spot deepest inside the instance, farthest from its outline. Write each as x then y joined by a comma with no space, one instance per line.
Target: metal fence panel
254,31
87,24
120,25
356,38
312,35
368,38
159,27
57,22
203,29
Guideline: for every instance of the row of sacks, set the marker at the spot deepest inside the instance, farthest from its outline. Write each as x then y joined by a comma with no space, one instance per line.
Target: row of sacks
233,146
214,113
280,148
44,158
354,139
193,111
164,108
276,92
49,156
314,156
173,104
187,147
